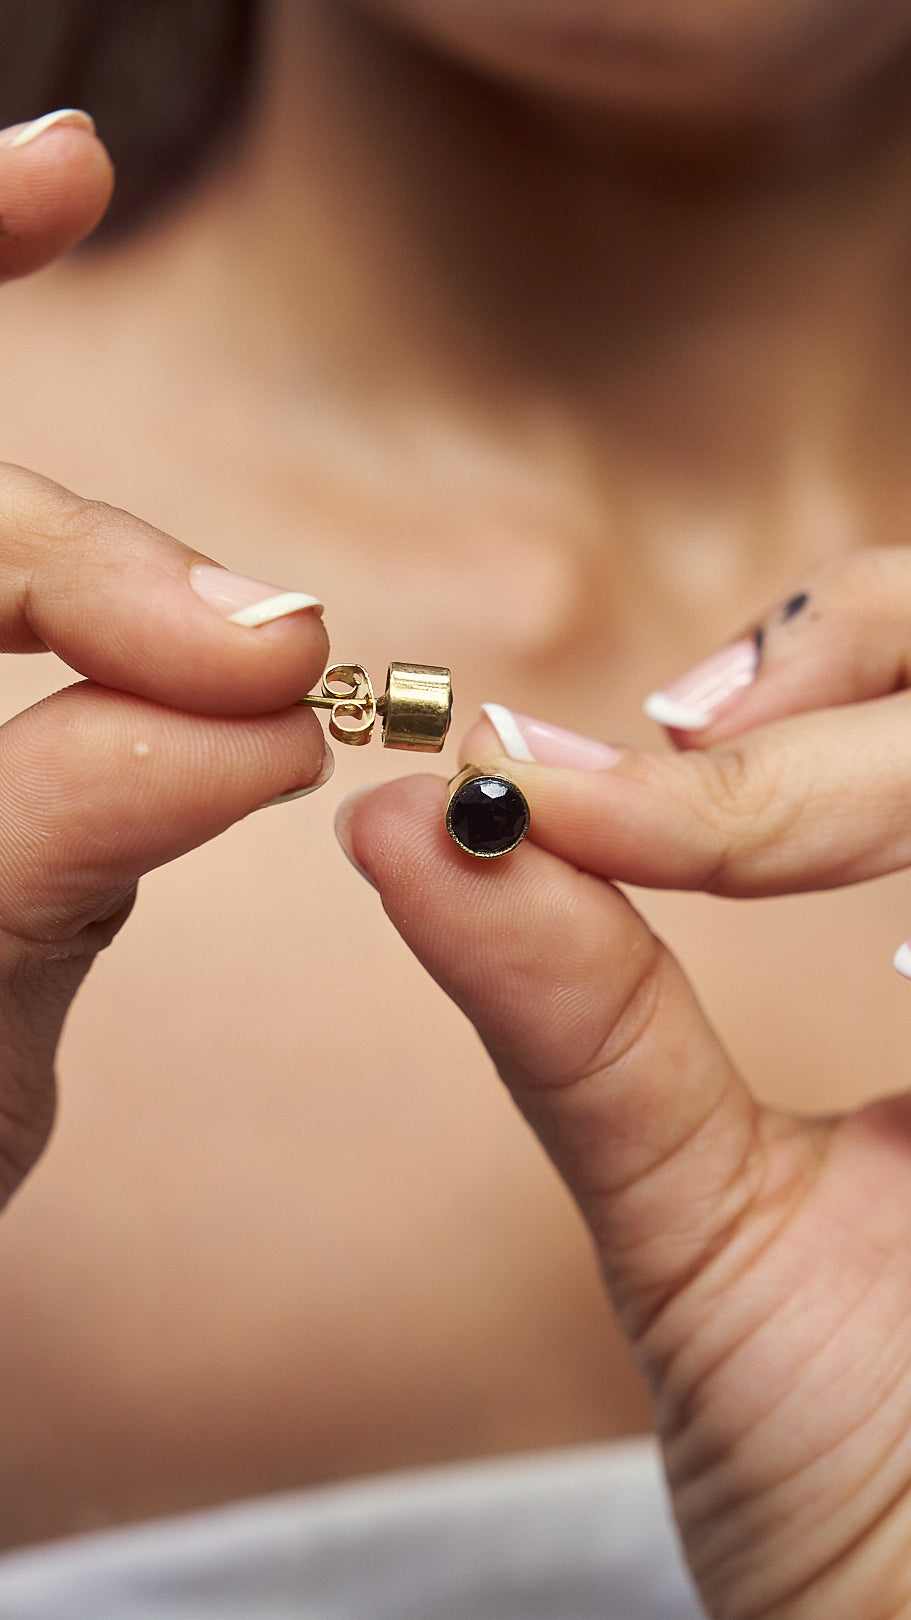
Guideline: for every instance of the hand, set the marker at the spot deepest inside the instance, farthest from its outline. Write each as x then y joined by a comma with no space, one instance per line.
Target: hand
760,1262
182,726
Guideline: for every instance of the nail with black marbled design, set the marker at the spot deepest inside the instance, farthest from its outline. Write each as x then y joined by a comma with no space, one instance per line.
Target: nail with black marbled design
692,702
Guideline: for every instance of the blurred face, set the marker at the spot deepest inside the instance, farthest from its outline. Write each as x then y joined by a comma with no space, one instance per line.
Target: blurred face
703,59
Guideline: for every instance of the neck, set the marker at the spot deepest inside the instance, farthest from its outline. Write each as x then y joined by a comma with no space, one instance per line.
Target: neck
700,335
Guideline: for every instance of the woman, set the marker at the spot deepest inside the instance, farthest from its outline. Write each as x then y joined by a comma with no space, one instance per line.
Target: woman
550,345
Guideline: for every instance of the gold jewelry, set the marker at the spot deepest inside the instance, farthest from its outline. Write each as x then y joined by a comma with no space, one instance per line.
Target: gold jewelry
486,815
415,709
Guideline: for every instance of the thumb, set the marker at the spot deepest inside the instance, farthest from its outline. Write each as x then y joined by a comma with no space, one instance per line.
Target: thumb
55,184
591,1024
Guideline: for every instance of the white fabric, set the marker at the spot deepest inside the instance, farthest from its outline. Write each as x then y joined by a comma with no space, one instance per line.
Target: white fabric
574,1535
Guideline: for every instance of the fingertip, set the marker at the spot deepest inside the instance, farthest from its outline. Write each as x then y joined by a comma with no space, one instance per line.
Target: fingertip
482,742
393,833
344,817
323,775
56,180
508,730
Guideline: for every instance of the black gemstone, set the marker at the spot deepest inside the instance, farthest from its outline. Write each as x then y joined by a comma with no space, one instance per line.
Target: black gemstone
487,816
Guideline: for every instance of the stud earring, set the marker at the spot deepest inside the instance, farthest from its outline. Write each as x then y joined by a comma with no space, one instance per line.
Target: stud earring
415,709
486,815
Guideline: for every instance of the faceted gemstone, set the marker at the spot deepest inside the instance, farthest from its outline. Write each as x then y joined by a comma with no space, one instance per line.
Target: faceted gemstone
488,816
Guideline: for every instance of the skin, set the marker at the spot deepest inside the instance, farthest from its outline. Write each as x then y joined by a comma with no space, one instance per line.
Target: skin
757,1259
431,369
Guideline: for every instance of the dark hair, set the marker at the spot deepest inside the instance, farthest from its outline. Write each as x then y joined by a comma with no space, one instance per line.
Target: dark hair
167,82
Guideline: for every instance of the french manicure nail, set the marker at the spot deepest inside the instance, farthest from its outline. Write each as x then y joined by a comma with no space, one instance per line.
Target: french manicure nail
245,601
72,116
538,742
902,959
692,702
325,772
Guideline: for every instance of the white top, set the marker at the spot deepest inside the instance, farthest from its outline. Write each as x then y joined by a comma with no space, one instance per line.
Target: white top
571,1535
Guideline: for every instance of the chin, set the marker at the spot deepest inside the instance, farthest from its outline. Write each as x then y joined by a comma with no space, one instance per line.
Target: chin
736,61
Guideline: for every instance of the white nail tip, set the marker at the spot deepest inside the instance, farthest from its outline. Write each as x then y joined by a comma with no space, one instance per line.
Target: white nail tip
72,116
273,607
676,715
902,959
504,724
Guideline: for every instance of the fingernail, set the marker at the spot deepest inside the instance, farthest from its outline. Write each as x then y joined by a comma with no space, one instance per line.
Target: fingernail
325,772
539,743
73,116
343,817
692,702
246,601
902,959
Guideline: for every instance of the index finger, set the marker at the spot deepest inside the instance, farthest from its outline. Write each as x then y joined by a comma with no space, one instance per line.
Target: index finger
812,802
133,609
